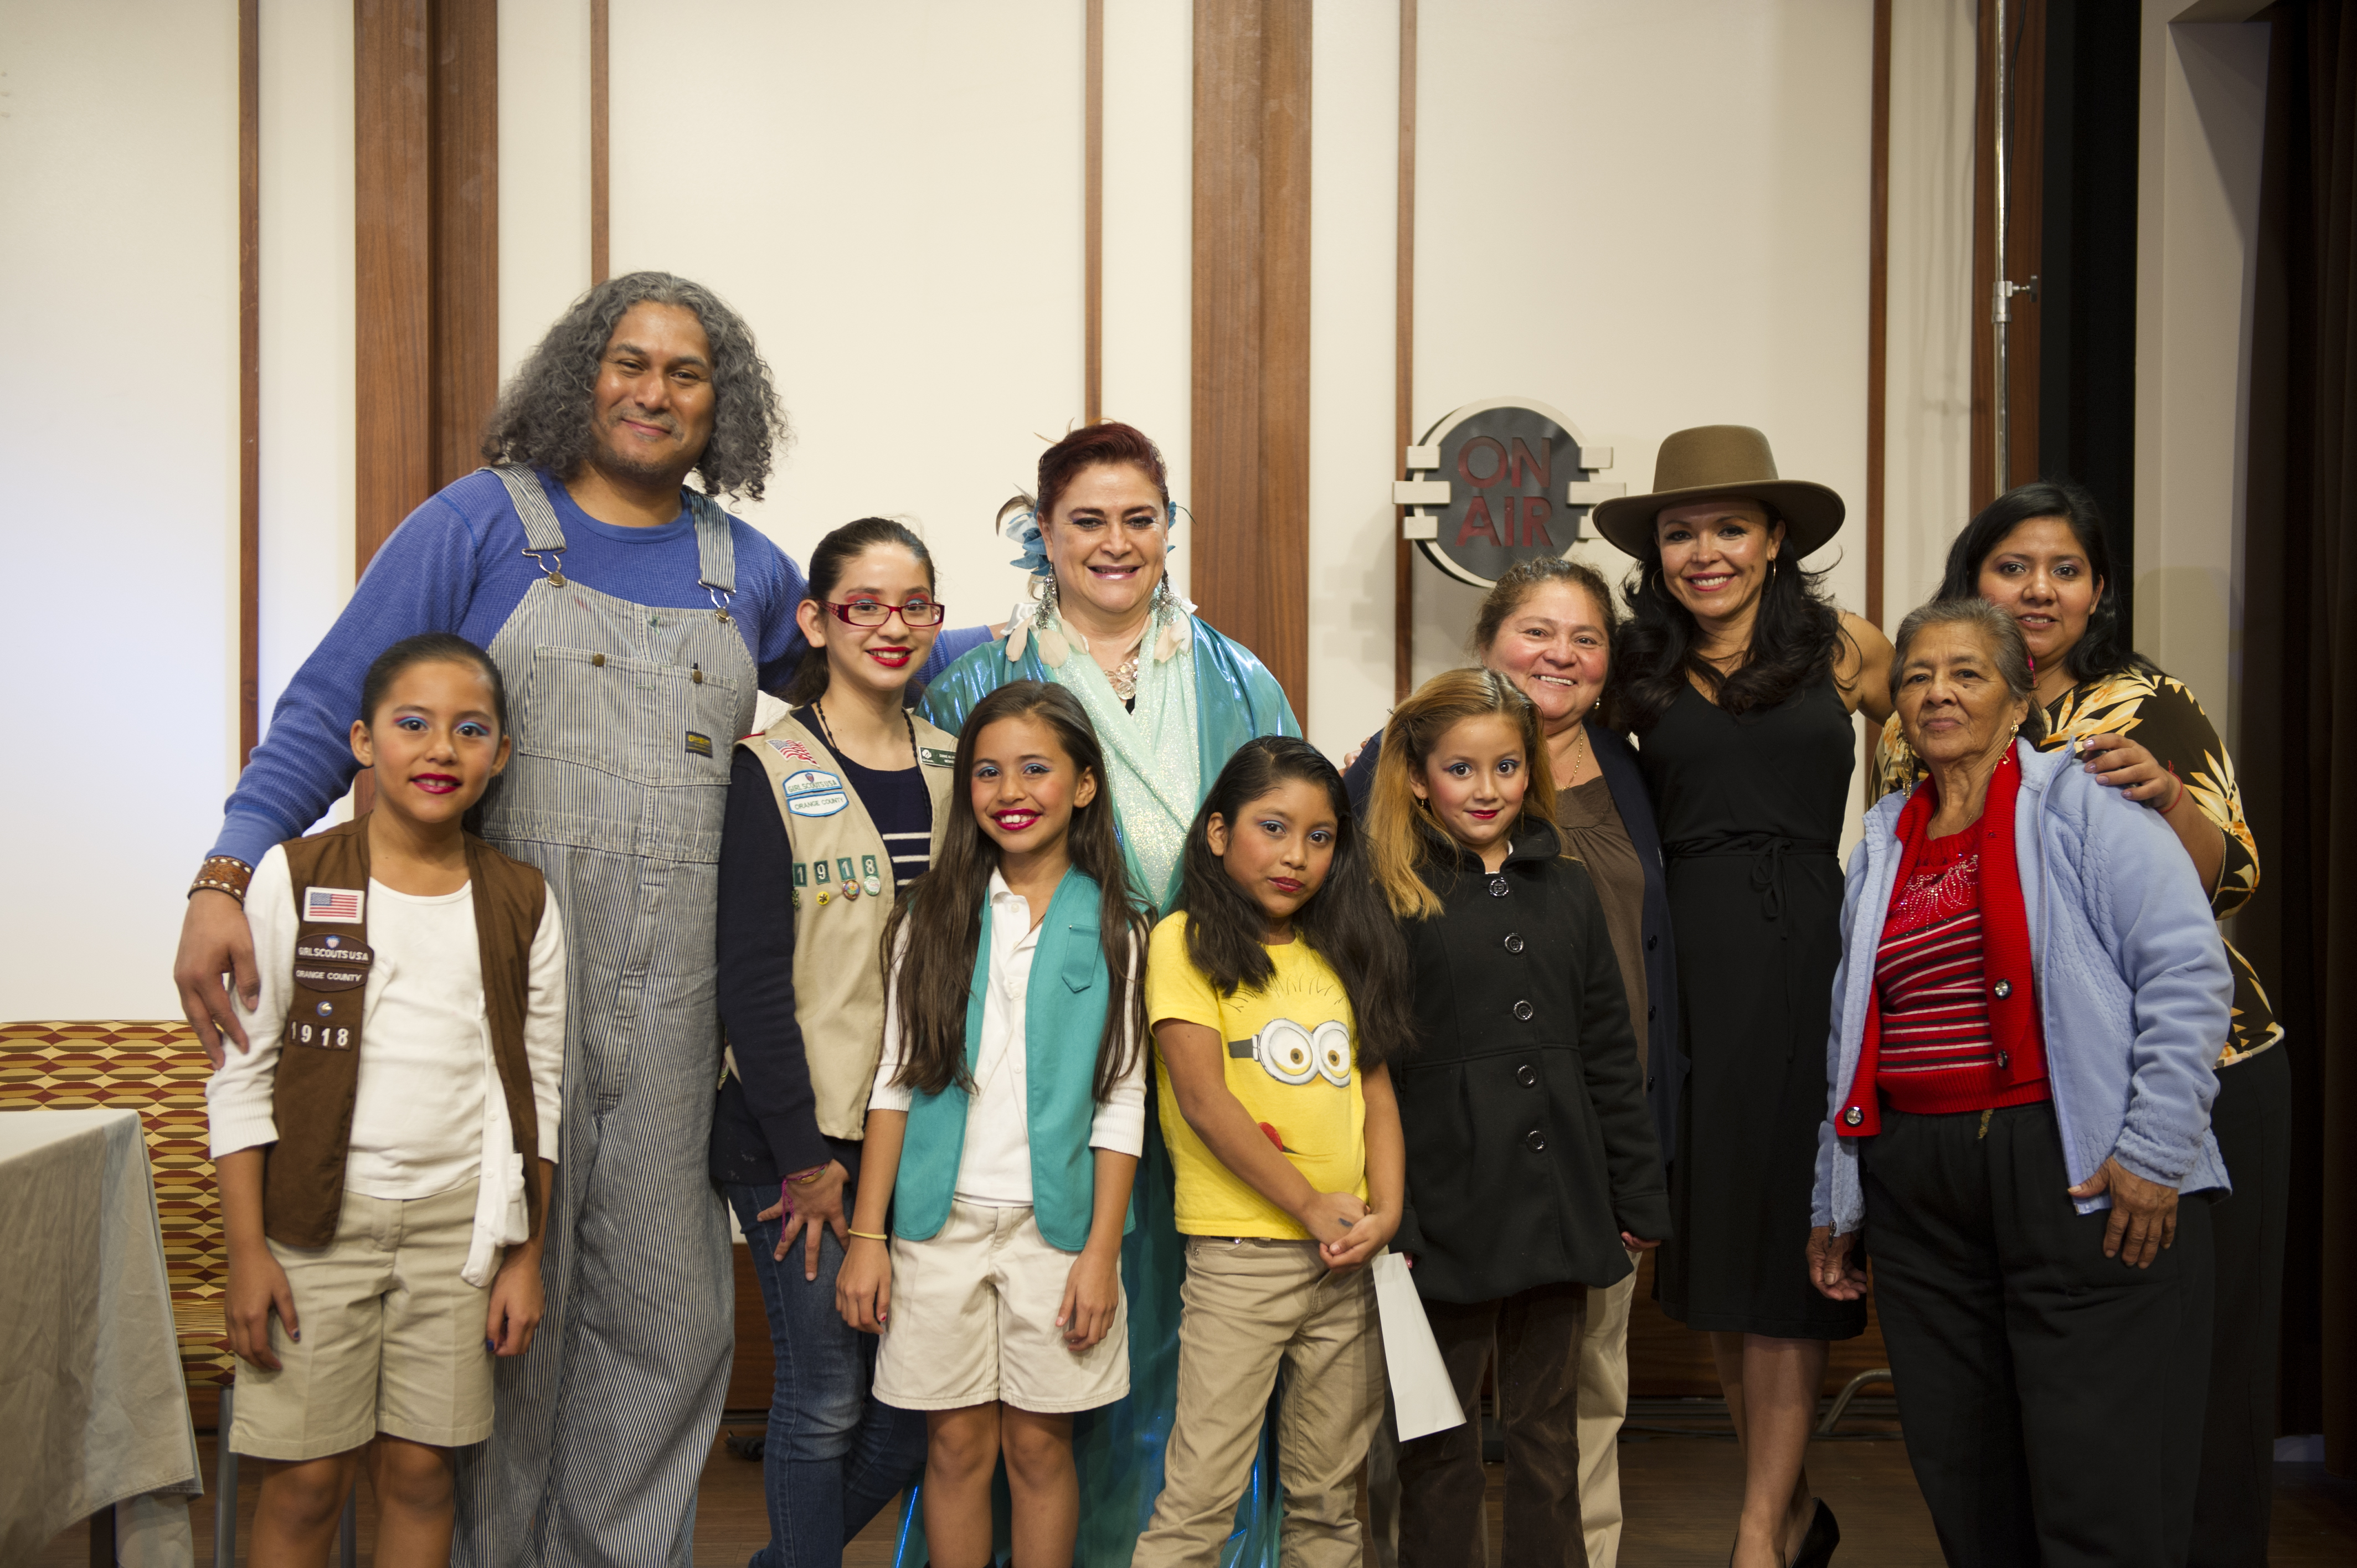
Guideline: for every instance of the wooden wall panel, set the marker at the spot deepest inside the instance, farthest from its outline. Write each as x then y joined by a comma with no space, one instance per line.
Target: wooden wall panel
393,209
2025,256
425,113
1877,309
1404,362
2025,22
1251,359
466,262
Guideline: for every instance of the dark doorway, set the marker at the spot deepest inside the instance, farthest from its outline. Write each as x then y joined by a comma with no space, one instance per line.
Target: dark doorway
2087,282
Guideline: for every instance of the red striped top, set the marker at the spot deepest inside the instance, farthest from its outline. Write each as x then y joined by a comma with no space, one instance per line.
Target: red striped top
1938,1046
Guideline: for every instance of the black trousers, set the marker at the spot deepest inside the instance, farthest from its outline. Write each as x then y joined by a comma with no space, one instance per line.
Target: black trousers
2050,1397
1441,1483
2252,1117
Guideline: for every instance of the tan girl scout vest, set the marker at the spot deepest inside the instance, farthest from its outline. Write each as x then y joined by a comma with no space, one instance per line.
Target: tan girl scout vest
842,893
319,1061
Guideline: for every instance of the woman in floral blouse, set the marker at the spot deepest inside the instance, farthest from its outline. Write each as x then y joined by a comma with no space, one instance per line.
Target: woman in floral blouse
2037,552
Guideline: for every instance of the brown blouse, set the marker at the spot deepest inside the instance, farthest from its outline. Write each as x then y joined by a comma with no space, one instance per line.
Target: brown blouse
1594,833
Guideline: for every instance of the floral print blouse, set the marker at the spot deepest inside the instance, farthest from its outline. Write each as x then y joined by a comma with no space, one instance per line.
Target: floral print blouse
2167,720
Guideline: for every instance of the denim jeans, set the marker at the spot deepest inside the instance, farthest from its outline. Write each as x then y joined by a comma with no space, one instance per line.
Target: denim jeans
833,1456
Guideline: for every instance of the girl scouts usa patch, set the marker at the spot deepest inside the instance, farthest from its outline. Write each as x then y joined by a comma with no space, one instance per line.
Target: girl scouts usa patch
813,792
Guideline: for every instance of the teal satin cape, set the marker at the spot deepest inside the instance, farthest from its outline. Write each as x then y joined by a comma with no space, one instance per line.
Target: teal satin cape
1118,1449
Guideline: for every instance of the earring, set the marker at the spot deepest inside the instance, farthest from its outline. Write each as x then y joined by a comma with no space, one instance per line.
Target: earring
1047,606
1165,599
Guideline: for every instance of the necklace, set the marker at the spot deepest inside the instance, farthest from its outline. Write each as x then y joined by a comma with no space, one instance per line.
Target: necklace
818,707
1122,676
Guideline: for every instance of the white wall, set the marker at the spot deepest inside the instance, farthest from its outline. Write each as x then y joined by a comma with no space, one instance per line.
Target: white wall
2201,106
890,193
544,169
1650,217
308,363
1928,405
118,507
1353,274
1149,208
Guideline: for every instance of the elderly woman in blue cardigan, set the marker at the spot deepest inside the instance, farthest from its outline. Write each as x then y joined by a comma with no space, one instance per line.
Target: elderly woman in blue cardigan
2029,1001
1170,700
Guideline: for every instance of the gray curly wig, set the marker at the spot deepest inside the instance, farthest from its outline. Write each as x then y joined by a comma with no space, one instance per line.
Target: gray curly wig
543,419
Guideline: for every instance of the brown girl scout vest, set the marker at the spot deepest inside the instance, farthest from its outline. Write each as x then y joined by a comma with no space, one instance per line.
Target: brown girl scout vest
318,1062
842,893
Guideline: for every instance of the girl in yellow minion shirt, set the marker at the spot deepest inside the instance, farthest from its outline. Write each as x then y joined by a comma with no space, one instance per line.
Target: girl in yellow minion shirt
1276,995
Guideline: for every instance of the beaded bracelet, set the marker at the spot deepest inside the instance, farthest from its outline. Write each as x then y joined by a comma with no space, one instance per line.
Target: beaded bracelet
223,874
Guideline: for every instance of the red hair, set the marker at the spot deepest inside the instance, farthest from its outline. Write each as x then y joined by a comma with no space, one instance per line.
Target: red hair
1108,442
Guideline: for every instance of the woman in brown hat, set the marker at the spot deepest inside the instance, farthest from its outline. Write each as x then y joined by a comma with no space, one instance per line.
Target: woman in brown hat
1740,678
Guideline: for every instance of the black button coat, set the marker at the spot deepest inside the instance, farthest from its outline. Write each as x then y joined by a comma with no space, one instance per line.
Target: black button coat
1665,1061
1530,1147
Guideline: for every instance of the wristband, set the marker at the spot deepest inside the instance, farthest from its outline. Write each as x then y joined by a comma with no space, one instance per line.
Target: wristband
865,1235
803,1178
223,874
2177,799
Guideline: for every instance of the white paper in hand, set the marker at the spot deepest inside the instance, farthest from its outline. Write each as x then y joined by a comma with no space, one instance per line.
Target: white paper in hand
1421,1395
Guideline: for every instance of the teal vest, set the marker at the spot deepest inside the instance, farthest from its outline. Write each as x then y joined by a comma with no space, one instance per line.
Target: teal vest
1063,1020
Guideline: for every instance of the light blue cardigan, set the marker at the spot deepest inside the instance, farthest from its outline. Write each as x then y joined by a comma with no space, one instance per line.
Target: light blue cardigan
2133,988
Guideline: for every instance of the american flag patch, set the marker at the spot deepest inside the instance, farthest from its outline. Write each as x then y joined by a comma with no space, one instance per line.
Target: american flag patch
341,904
792,750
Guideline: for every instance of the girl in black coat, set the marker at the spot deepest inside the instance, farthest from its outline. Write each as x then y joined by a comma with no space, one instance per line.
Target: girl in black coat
1531,1162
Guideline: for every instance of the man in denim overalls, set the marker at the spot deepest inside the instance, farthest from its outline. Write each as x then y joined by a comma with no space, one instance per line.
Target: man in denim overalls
633,622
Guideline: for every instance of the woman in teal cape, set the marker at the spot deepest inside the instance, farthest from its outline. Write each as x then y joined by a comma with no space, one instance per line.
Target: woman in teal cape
1171,700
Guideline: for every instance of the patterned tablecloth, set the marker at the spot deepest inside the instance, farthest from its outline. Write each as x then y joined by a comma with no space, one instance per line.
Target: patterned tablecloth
93,1411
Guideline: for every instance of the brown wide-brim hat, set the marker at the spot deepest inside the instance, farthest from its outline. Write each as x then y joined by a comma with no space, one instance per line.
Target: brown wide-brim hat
1721,460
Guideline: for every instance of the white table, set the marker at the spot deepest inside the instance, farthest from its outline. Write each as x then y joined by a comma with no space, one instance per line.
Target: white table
93,1411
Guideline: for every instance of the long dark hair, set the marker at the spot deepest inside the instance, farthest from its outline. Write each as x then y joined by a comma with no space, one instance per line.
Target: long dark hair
1345,922
836,551
941,912
2102,649
1794,641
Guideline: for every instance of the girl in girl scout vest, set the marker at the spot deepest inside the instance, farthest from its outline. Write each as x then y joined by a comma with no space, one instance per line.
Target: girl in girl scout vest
1003,1132
832,810
383,1197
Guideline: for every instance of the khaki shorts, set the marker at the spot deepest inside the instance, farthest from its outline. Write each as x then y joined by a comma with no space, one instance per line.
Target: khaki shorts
974,1320
393,1338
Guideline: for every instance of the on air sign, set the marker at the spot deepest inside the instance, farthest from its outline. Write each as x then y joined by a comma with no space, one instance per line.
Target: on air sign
1508,481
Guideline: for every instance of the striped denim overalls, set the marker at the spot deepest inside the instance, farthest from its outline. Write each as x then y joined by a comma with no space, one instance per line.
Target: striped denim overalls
624,717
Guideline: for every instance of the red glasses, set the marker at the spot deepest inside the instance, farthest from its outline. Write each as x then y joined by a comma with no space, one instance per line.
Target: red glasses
876,612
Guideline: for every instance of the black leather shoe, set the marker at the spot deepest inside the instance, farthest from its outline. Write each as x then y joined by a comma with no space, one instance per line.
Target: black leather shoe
1817,1546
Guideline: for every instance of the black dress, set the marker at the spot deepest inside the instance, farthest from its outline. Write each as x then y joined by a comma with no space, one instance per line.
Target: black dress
1750,810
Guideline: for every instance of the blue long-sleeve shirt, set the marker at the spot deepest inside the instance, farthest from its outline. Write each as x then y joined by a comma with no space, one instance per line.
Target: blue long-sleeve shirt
457,565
